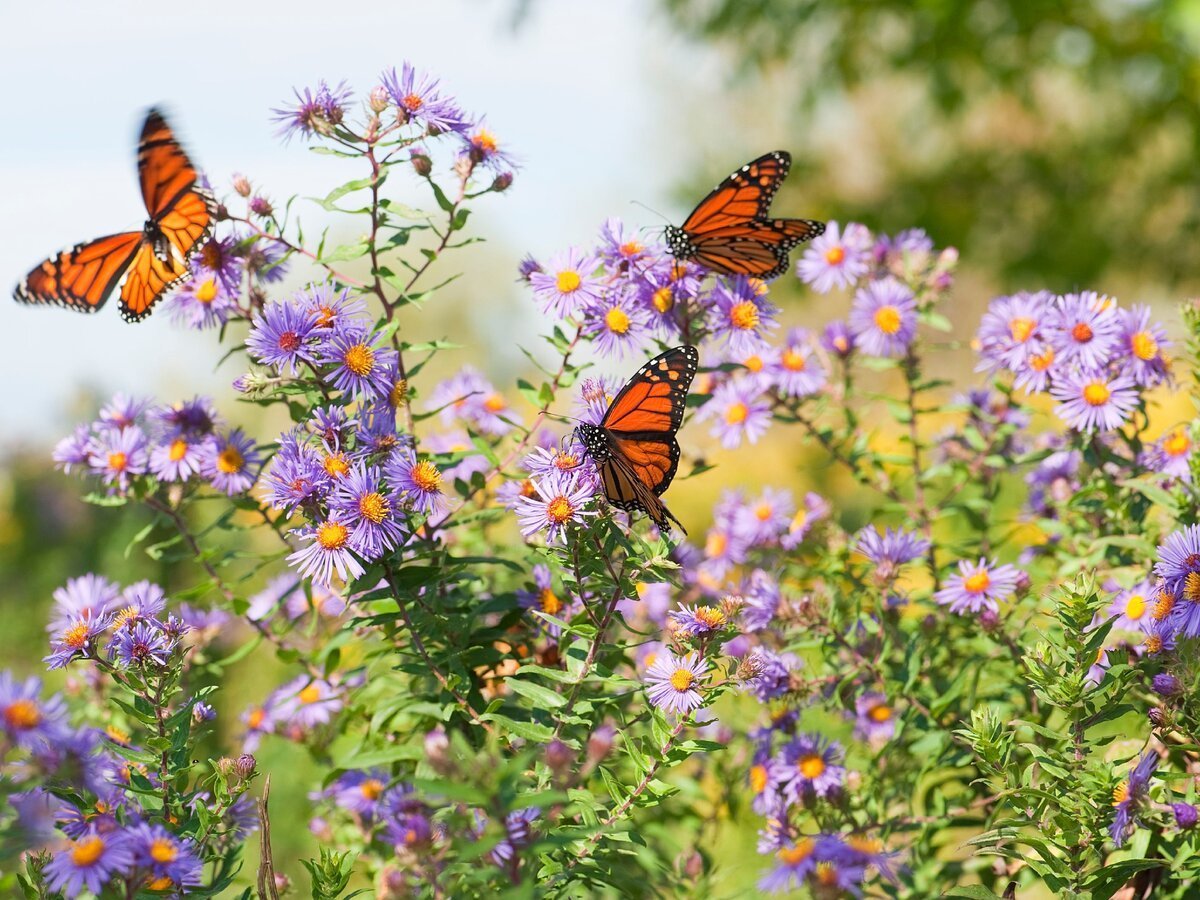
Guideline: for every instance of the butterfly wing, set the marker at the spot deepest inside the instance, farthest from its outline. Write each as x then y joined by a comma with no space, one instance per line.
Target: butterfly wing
743,196
758,249
625,490
183,210
82,277
149,277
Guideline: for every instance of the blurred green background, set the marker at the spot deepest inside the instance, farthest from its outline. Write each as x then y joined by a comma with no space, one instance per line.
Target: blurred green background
1054,144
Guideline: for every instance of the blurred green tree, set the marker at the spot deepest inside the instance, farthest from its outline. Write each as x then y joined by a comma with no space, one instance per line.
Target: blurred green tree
1055,142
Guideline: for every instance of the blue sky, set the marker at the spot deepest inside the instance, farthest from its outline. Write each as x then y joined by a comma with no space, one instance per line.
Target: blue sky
597,101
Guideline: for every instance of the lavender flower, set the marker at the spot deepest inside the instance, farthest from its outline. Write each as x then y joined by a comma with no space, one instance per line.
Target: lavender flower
360,364
1084,329
699,620
418,481
228,460
738,412
808,767
144,644
671,682
25,718
875,718
890,551
418,99
368,507
978,586
1094,402
1130,796
567,284
617,324
77,640
741,315
883,318
1171,455
171,861
296,474
328,552
89,595
118,455
314,112
1010,327
836,259
1142,346
179,458
280,336
559,501
202,302
88,863
774,673
794,369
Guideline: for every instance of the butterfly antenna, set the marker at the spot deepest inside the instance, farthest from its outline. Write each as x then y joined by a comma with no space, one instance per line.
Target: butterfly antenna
650,209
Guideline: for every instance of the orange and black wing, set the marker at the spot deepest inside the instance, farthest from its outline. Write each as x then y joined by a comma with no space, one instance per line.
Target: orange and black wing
758,249
83,277
182,209
149,277
625,489
742,197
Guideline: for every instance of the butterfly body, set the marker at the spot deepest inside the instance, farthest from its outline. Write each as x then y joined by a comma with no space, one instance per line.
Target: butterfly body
634,446
140,265
730,231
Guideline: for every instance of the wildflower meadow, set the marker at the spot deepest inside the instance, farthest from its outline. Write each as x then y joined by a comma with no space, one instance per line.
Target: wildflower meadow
966,666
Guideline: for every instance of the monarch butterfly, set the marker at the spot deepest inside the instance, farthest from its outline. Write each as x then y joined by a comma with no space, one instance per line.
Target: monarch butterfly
144,264
730,232
634,445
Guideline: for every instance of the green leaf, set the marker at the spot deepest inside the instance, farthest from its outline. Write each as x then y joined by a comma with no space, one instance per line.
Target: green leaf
542,696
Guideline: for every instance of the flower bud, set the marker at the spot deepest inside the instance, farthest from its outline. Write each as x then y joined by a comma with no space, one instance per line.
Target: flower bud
261,206
502,182
378,99
225,765
1186,815
241,184
1166,685
599,743
1157,717
989,619
437,747
421,162
283,884
245,766
559,757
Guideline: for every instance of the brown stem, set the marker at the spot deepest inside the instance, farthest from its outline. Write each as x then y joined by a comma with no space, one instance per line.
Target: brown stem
923,517
266,862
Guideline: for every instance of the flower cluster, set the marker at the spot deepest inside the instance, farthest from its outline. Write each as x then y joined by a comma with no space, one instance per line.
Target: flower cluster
135,442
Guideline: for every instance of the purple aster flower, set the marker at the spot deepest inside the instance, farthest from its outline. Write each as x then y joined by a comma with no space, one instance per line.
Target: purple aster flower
741,314
220,258
763,520
368,507
808,767
527,266
890,551
620,246
1133,607
377,435
140,602
774,676
863,851
1179,558
228,460
836,259
595,395
1171,455
418,481
77,640
409,831
910,240
25,718
1142,347
1186,815
1085,329
1161,635
279,336
1040,365
838,874
793,369
795,861
469,396
543,598
88,595
328,552
1130,796
118,455
568,283
170,860
359,792
335,310
304,703
760,592
738,411
698,620
418,98
1010,327
360,362
314,112
617,324
875,719
1054,480
203,712
123,411
178,458
838,339
559,501
73,449
89,863
883,318
266,260
482,148
1166,685
1091,402
978,586
193,418
35,818
143,644
671,681
815,509
516,834
259,720
295,475
331,425
202,301
556,459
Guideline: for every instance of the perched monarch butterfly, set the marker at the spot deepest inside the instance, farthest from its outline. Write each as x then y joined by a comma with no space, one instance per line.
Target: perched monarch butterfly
730,232
634,445
143,264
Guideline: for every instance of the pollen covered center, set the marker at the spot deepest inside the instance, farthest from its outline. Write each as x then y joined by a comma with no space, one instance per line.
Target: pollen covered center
332,535
117,461
1082,332
793,360
1021,327
426,476
977,583
22,714
887,319
835,255
663,299
617,320
797,853
549,602
1135,607
737,413
372,788
881,712
568,282
360,359
163,850
230,460
87,851
811,765
1144,346
1177,443
207,292
1096,393
177,450
559,510
289,342
310,694
682,680
743,315
374,507
76,637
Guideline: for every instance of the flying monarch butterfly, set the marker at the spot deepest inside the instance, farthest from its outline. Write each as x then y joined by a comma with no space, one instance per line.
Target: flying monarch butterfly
634,445
144,264
730,232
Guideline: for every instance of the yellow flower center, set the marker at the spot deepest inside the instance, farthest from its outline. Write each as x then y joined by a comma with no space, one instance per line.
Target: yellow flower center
682,680
1040,362
811,765
126,616
336,465
549,602
630,248
866,845
559,510
87,851
835,255
426,477
736,413
1021,327
1144,346
178,450
207,292
1177,443
163,850
22,714
798,521
1163,606
568,282
117,461
716,543
753,363
758,779
743,315
710,616
485,140
374,507
617,320
412,102
1082,332
332,535
160,884
121,737
398,394
827,874
797,853
326,316
230,460
1096,393
1153,644
1120,793
371,788
758,286
1135,607
793,360
495,403
76,636
763,511
663,299
310,694
565,461
359,359
887,319
880,712
1191,587
256,717
977,583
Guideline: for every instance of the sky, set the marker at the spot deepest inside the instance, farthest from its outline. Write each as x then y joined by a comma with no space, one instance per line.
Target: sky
593,99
